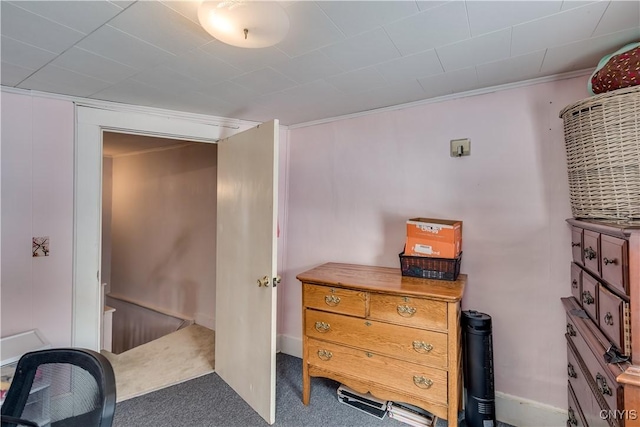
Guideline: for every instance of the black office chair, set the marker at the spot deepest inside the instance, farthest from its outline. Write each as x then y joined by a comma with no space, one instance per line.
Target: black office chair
62,387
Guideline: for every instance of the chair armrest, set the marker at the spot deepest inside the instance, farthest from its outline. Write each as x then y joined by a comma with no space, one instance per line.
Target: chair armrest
8,421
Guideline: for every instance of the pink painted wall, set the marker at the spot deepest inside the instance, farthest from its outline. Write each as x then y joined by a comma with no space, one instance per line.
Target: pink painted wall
353,183
37,193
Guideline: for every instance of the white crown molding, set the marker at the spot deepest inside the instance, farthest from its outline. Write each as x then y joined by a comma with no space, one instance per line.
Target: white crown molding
459,95
116,106
237,123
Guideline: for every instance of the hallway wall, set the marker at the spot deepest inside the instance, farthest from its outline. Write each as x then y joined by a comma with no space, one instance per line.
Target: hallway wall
163,240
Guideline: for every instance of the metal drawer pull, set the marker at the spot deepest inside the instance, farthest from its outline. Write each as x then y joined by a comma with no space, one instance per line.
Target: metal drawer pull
608,318
570,330
571,371
422,347
601,382
332,300
322,327
572,421
325,354
589,253
406,311
587,298
422,382
608,261
574,244
574,284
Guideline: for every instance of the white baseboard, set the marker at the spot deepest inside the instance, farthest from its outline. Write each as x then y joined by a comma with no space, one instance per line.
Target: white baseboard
513,410
290,345
521,412
205,320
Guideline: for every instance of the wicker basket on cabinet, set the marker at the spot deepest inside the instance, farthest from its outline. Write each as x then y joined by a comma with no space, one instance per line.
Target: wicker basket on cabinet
602,140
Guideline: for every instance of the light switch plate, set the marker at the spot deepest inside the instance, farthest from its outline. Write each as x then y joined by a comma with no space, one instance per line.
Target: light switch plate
460,147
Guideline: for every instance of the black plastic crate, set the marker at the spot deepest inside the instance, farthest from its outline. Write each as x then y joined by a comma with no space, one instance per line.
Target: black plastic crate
430,268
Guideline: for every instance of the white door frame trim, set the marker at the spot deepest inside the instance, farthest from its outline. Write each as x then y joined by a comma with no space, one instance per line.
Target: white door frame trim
90,122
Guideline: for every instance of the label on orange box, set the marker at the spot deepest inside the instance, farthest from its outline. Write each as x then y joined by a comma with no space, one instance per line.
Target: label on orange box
416,246
440,238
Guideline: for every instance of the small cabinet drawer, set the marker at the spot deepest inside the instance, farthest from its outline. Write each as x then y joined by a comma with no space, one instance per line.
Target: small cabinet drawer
576,244
335,300
416,312
589,296
614,262
611,316
404,377
590,250
413,345
576,282
575,417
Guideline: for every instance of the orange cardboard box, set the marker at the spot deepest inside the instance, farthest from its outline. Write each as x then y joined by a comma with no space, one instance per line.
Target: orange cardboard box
438,238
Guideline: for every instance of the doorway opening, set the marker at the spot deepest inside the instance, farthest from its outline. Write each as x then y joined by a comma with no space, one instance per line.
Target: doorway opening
158,266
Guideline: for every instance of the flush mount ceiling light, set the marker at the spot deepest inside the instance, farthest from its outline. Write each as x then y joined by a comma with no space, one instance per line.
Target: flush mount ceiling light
250,24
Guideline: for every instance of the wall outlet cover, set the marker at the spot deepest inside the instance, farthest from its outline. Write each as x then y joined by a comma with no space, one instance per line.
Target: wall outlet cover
40,246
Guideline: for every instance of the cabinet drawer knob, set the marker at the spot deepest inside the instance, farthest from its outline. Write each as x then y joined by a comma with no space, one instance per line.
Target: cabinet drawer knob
571,371
575,244
324,355
422,347
572,421
322,327
422,382
570,330
587,298
601,382
589,253
332,300
406,311
574,284
608,261
608,318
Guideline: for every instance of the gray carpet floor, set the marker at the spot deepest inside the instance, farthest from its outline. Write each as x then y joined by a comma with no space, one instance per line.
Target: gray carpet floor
209,401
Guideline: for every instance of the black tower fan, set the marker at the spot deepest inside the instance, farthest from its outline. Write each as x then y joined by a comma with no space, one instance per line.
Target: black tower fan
480,404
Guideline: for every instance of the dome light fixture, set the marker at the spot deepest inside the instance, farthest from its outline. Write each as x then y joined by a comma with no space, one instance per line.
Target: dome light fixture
248,24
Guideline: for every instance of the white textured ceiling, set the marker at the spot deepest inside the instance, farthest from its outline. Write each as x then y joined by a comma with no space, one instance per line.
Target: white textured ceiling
339,57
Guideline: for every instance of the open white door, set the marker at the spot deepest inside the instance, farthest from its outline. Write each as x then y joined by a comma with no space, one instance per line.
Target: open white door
246,306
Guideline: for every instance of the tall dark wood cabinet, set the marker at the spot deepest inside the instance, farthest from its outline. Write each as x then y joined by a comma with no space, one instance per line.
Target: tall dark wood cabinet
603,325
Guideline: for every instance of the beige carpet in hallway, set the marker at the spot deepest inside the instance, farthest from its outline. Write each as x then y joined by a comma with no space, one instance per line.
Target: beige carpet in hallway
180,356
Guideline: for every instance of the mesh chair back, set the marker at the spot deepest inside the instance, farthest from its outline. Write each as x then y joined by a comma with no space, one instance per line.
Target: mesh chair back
61,388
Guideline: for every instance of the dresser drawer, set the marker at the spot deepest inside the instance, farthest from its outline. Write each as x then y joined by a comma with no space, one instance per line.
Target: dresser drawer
611,316
416,312
576,244
614,264
420,381
578,383
590,250
575,417
414,345
589,300
602,375
576,282
335,299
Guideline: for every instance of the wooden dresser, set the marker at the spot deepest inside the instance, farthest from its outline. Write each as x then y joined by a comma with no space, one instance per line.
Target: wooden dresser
603,313
374,330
